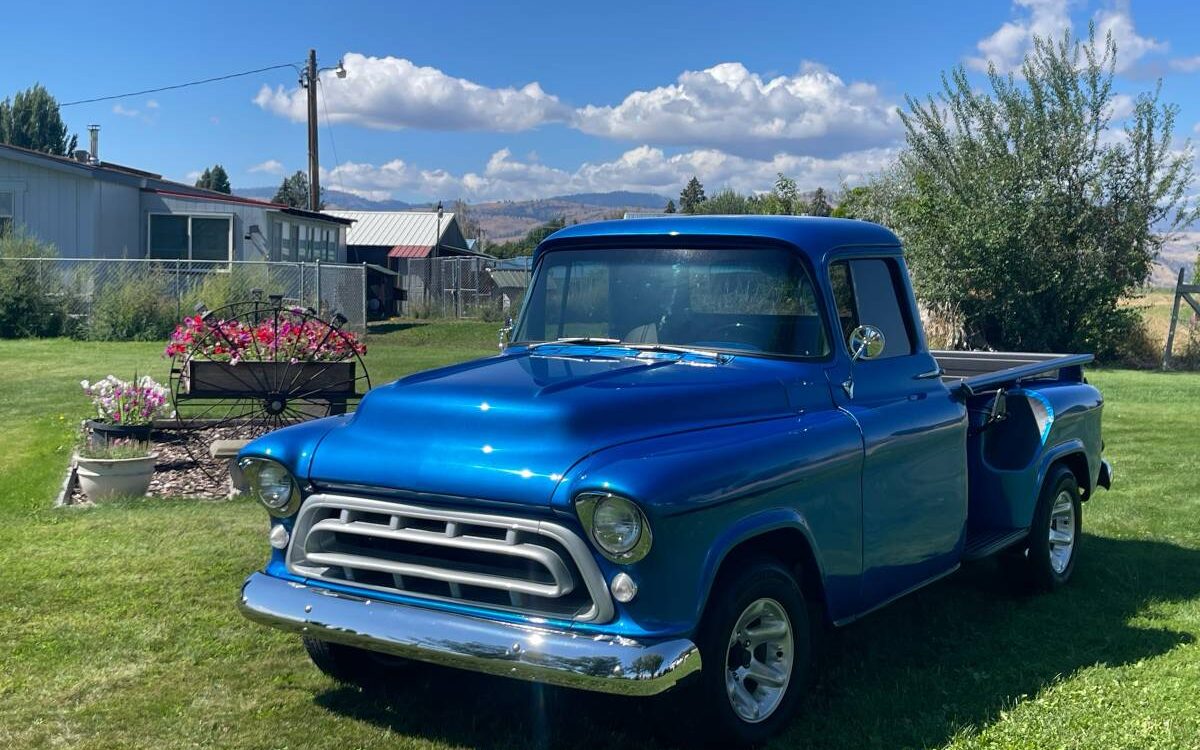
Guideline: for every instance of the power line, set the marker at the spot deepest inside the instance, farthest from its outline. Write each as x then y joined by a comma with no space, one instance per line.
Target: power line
179,85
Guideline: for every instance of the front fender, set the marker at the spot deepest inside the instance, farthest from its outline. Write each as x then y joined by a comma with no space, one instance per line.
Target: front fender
706,491
294,446
750,528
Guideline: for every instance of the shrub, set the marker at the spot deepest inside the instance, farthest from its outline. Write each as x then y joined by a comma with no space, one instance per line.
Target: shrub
32,295
132,305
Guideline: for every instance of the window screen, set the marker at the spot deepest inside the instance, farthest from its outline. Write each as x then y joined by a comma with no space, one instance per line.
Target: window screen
168,236
210,238
868,292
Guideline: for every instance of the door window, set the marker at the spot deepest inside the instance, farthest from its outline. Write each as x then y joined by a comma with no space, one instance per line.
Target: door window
870,291
7,211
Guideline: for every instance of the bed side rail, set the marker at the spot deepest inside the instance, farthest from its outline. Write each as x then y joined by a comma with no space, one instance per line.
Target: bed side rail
981,371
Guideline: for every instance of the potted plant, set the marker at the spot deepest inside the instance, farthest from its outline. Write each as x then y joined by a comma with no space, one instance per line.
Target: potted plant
116,468
288,351
126,409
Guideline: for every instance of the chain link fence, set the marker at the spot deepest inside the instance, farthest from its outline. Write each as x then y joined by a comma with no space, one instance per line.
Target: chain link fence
89,289
468,287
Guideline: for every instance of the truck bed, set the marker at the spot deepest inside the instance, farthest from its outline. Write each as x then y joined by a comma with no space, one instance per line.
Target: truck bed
974,371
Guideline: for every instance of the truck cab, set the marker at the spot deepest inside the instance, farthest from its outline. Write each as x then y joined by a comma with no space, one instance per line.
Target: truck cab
703,439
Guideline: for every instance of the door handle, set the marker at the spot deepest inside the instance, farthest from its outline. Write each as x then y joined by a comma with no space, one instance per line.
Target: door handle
934,373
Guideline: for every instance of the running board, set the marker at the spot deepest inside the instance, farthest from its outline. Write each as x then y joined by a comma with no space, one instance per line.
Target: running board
991,542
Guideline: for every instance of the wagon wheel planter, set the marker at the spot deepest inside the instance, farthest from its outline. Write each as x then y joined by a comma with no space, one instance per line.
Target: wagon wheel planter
245,369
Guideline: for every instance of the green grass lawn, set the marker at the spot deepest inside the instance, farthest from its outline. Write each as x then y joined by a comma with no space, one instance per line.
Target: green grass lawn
119,627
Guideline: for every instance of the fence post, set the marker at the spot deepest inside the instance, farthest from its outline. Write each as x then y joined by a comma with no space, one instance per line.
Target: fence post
178,293
318,285
1166,360
363,297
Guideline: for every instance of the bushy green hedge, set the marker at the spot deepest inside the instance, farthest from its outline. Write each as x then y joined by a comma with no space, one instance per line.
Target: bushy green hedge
132,305
33,302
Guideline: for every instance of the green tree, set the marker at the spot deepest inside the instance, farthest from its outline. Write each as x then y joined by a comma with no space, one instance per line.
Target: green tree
726,202
31,120
294,192
853,203
692,196
217,179
526,244
819,205
784,198
1026,215
670,206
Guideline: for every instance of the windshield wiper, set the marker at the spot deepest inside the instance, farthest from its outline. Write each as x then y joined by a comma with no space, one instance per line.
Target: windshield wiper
672,348
597,340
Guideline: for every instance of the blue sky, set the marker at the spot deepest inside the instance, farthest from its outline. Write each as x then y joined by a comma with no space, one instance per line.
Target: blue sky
518,100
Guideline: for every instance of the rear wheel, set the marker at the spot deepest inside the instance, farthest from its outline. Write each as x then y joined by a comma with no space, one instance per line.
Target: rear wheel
755,647
1048,560
354,666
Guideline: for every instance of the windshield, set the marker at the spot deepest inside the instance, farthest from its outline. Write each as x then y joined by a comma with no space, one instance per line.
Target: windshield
752,300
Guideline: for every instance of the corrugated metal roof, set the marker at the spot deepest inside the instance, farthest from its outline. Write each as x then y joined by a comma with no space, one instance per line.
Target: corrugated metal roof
410,251
393,228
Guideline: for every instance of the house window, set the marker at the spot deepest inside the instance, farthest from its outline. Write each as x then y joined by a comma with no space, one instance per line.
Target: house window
8,212
181,237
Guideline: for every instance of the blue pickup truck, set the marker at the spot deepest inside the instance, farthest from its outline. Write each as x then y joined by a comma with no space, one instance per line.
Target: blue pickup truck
704,439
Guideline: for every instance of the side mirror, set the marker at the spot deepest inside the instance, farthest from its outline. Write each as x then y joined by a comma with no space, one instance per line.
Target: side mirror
505,333
866,342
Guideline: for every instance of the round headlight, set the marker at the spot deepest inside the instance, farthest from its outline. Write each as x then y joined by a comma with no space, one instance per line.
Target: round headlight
272,484
616,525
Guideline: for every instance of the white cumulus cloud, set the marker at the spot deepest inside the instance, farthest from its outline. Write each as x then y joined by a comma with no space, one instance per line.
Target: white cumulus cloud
731,108
392,93
644,169
1007,46
270,166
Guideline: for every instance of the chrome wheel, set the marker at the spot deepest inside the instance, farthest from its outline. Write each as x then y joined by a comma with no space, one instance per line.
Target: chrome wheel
758,664
1062,532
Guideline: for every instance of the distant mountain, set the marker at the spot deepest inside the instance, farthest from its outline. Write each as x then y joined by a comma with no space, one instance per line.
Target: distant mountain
334,199
504,220
617,199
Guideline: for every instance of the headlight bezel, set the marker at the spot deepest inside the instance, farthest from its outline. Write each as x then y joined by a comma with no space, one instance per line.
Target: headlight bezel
252,466
586,505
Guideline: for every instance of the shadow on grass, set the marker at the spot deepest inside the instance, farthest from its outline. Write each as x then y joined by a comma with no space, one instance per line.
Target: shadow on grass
384,327
952,656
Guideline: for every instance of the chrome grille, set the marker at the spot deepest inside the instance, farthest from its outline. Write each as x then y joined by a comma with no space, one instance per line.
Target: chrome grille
503,562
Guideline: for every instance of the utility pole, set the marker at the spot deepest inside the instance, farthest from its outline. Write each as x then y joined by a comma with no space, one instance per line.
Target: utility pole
314,161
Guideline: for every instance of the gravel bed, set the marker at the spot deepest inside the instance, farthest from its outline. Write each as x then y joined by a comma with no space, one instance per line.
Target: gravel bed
177,474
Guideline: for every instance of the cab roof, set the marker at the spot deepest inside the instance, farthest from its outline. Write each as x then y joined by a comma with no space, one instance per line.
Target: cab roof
815,236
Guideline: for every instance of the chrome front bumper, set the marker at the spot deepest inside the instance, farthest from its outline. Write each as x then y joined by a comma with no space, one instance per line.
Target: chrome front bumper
603,663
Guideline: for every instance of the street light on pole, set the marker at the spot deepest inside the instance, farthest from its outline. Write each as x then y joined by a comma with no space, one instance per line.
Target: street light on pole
308,80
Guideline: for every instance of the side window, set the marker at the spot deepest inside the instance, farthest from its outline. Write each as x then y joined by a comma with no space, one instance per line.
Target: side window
869,292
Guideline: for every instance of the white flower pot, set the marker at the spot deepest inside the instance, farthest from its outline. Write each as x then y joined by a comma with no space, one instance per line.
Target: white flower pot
101,478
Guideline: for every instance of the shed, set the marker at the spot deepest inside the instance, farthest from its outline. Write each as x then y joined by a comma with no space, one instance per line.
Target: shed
381,237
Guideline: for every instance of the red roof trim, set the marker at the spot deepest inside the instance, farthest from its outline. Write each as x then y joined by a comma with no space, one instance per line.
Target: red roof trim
211,197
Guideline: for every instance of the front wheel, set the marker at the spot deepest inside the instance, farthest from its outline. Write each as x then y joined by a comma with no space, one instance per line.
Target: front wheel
755,646
354,666
1048,560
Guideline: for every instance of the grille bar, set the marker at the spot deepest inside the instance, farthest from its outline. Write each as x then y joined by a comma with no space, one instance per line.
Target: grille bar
520,564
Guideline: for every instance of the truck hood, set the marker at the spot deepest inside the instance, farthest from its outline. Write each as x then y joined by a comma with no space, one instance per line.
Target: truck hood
508,428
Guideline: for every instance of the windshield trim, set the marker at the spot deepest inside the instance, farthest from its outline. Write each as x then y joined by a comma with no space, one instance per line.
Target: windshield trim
690,243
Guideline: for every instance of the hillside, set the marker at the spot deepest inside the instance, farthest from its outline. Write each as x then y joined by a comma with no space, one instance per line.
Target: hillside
504,220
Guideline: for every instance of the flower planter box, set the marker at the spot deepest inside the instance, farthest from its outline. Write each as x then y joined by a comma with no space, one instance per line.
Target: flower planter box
250,378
